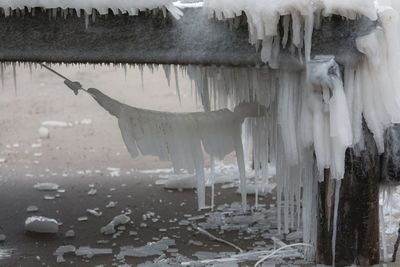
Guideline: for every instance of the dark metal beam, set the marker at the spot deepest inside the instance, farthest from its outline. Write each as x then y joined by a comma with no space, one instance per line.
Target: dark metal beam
152,39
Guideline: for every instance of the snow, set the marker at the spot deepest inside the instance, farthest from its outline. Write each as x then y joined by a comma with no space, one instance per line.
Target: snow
40,224
88,6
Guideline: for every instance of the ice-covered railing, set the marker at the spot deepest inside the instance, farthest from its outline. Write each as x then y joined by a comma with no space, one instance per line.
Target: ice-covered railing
102,7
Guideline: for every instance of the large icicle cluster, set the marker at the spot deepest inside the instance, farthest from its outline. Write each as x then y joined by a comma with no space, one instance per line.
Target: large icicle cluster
89,6
317,111
299,17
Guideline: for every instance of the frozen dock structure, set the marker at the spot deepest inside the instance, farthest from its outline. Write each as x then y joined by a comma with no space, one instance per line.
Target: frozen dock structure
326,70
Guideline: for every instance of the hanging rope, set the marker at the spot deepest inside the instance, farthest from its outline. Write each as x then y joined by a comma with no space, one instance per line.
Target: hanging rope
74,86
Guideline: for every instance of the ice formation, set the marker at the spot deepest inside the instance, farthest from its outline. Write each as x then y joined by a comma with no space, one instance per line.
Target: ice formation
90,7
39,224
179,138
46,186
316,111
117,220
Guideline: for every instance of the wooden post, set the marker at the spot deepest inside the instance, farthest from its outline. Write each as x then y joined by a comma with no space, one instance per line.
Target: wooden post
357,239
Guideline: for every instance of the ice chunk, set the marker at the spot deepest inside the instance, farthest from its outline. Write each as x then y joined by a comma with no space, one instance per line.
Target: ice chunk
2,238
61,124
46,186
39,224
89,252
44,133
32,209
118,220
151,249
63,250
70,233
82,219
112,204
92,192
94,212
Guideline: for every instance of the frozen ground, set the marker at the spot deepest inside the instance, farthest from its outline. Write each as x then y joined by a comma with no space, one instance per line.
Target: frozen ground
85,153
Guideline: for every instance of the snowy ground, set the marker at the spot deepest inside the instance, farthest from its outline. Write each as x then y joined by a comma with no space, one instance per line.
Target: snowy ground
85,153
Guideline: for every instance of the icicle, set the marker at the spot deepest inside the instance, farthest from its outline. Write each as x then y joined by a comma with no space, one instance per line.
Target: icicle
167,72
86,19
335,218
2,74
309,27
178,92
286,25
141,68
15,77
212,181
382,231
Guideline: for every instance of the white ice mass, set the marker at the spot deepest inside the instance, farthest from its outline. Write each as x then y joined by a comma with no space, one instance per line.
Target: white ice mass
40,224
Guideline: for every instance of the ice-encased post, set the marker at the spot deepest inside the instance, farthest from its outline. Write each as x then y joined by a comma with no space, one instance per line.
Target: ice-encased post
357,238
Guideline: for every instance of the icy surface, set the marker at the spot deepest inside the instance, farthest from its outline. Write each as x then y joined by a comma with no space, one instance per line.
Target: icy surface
41,224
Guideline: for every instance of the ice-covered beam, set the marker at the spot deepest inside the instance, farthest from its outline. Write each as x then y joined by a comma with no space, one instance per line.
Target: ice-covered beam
152,38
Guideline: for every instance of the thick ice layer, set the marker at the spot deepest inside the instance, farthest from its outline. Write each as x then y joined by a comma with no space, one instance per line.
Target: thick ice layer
101,6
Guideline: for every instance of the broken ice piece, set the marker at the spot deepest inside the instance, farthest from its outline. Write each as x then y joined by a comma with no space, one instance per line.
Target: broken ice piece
112,204
89,252
46,186
48,197
44,133
40,224
132,233
92,192
118,220
151,249
2,238
63,250
32,209
82,219
195,243
70,233
94,212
